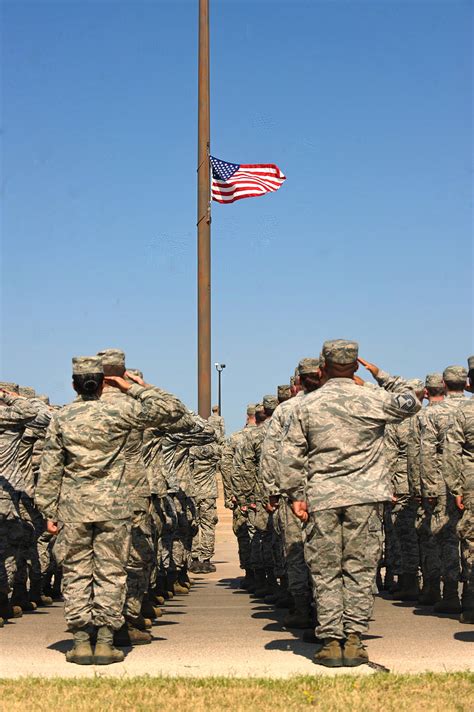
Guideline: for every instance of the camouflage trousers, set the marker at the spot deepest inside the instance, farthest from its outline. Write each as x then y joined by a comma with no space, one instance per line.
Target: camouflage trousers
206,518
177,543
392,553
240,527
342,549
293,550
443,525
404,529
428,545
265,548
465,529
158,522
140,559
11,536
94,556
28,562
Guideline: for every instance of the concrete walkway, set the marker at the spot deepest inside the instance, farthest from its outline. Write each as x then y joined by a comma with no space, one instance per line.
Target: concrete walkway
219,630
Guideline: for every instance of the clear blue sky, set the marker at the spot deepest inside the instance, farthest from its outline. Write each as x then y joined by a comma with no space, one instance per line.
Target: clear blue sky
366,106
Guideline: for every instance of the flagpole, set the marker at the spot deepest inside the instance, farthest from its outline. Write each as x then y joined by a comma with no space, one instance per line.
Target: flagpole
204,218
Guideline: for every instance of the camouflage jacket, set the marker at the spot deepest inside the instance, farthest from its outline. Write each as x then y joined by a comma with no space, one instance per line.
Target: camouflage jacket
217,422
227,466
175,448
15,415
338,433
204,460
396,446
433,431
246,462
458,454
414,451
83,469
270,458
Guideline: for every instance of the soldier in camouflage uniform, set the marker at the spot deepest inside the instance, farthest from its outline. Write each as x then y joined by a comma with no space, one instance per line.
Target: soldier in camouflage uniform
300,615
428,545
445,513
217,422
83,485
239,517
333,450
404,507
204,460
458,473
16,413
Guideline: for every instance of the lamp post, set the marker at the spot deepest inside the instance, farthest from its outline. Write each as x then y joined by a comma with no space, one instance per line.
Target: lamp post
219,368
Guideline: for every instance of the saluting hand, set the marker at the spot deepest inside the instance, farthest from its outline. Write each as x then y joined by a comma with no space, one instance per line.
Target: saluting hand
118,382
135,378
371,367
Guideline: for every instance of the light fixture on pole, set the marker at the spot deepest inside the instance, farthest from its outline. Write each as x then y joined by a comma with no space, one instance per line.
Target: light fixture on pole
219,368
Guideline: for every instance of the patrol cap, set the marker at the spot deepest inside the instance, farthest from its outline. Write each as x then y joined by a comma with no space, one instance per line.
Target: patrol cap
434,380
12,387
416,384
456,375
308,365
215,409
258,407
86,364
251,409
470,363
113,361
135,372
340,352
284,392
270,402
27,391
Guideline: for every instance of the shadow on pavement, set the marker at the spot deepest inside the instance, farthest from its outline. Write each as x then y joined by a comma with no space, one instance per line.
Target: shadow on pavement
465,636
296,646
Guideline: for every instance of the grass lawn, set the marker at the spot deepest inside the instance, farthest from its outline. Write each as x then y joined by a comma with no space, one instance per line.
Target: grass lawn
384,692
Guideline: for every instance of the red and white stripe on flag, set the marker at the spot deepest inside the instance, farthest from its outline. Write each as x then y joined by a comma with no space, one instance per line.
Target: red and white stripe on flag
248,181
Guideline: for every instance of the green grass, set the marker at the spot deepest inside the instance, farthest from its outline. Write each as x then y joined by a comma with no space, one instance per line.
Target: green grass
384,692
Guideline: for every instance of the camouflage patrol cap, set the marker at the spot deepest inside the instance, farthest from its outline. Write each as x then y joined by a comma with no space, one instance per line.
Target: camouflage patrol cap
434,380
86,364
251,409
457,375
135,372
470,363
27,392
308,365
43,398
270,402
340,352
112,357
284,391
416,384
12,387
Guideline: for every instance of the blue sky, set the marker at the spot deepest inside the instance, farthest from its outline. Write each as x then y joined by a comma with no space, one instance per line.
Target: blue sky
366,107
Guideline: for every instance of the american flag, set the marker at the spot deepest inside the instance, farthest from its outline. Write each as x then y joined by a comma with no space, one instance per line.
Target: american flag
234,181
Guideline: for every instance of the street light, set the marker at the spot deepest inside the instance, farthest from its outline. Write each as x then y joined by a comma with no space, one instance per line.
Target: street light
219,368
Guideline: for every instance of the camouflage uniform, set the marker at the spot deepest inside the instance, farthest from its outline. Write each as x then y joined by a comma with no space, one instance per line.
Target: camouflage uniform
334,448
217,422
83,484
15,414
458,473
445,515
204,460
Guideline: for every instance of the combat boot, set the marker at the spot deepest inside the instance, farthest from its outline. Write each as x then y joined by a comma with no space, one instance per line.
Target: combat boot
139,622
302,614
330,654
176,587
467,613
195,566
450,602
81,653
207,567
261,587
183,578
354,652
104,652
248,580
431,592
389,580
148,610
8,611
20,598
37,596
156,598
411,588
128,636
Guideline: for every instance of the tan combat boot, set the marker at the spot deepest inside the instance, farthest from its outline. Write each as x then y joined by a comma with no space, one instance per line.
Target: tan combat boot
104,652
129,636
354,652
81,653
330,655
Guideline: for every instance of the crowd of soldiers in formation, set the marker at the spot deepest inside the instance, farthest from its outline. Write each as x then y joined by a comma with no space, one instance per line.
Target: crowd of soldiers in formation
110,502
337,481
106,503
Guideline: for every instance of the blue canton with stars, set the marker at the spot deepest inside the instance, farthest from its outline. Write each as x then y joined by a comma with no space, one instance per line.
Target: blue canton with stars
221,170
